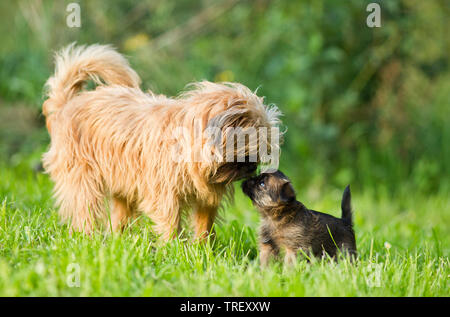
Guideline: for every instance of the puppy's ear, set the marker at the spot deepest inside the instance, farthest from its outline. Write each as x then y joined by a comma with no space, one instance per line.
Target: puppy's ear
287,193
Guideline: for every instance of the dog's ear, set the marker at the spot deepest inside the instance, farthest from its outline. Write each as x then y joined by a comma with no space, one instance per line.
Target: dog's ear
287,193
224,173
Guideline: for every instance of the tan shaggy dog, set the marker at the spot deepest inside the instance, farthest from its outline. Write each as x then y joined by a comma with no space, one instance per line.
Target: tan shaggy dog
112,155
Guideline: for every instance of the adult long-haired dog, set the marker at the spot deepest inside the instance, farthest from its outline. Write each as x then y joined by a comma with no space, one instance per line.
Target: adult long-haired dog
111,148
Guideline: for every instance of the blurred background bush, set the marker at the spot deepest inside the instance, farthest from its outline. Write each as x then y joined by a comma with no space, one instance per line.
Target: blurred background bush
367,106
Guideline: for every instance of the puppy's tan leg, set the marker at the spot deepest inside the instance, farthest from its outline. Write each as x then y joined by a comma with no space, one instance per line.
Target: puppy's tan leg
204,217
121,212
290,257
267,251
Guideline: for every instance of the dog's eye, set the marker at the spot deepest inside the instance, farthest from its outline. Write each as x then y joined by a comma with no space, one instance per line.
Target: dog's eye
262,184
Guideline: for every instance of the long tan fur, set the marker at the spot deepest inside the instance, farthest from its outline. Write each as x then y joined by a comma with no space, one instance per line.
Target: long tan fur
113,144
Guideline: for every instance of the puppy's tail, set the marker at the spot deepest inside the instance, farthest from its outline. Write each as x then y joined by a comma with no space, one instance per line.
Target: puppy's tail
75,65
346,206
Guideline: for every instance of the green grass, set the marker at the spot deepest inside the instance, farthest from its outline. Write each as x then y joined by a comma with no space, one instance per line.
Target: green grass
37,254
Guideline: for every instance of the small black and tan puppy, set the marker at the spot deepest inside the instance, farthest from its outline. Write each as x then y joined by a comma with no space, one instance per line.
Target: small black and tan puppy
288,224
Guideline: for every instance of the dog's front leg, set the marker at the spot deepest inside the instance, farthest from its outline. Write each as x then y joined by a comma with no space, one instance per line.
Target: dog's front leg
121,212
290,257
204,217
267,252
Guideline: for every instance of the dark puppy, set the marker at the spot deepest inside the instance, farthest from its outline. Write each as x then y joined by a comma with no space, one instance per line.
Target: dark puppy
288,224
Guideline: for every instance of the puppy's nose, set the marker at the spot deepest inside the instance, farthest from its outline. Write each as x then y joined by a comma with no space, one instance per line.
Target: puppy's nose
247,189
246,185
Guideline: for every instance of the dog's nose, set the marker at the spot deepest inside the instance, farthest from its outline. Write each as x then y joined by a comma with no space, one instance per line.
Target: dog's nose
249,169
252,168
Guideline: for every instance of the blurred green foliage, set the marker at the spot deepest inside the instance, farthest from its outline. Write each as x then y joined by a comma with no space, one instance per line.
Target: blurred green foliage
367,106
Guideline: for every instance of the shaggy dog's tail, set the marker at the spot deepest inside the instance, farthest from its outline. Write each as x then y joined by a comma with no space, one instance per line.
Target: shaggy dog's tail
74,65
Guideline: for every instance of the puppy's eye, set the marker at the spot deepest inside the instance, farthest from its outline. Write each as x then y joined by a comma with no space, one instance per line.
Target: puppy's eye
262,184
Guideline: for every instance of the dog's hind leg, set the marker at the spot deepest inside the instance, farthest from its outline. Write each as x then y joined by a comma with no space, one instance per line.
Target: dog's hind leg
204,217
81,200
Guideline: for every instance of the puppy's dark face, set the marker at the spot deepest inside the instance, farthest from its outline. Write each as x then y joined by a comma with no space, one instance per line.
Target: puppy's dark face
269,190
